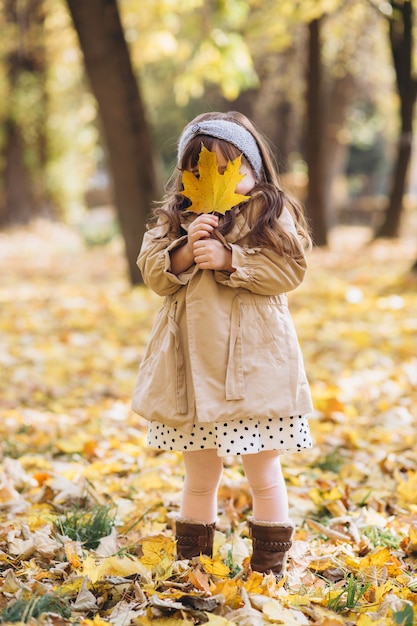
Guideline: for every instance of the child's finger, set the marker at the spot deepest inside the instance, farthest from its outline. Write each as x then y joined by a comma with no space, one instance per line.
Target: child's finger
200,230
207,218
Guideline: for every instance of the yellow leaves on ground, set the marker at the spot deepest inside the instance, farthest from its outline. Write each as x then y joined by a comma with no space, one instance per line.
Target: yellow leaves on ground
410,542
217,620
212,191
407,489
379,559
98,569
158,555
278,614
254,583
71,337
214,566
200,580
97,621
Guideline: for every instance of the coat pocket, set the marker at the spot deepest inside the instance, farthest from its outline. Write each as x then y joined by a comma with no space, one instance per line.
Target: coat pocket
266,330
161,377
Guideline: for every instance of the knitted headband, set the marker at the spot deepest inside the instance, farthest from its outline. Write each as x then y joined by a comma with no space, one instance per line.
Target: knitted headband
228,131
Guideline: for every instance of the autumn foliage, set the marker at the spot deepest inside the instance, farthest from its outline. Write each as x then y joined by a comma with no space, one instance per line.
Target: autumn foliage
87,510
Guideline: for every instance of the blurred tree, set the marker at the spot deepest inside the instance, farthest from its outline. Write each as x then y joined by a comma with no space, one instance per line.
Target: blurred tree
401,42
197,56
189,57
290,32
310,69
126,130
198,50
24,116
316,197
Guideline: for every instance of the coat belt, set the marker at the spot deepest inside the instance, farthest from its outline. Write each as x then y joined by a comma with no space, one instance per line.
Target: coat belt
181,386
235,388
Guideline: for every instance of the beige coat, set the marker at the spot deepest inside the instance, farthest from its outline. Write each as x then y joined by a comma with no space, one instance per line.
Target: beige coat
223,346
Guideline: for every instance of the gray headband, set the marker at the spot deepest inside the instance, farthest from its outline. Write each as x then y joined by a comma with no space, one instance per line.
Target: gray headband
228,131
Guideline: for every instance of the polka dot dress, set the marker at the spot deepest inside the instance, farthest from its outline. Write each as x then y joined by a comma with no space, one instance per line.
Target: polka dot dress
246,436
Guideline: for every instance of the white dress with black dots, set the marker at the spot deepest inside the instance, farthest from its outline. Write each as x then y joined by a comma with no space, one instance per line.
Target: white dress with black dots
245,436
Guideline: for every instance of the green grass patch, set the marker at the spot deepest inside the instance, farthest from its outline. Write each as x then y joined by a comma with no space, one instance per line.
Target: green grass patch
27,610
349,596
87,527
381,537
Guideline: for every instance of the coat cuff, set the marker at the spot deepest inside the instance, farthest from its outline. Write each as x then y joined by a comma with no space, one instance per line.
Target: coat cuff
244,262
184,277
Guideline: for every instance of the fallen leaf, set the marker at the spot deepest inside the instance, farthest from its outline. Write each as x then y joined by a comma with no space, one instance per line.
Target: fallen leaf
156,549
214,566
86,601
199,579
410,542
278,614
69,441
98,569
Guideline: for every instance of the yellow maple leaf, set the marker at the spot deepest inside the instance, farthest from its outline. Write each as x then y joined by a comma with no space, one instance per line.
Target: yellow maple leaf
157,548
212,191
214,566
230,589
378,559
254,583
98,569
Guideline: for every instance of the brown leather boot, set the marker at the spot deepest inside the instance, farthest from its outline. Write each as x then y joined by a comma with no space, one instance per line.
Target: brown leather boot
194,538
271,542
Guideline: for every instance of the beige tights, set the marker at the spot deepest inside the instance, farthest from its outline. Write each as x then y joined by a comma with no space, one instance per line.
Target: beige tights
266,482
203,472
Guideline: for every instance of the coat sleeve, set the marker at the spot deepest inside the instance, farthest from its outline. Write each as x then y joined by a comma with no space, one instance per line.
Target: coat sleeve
154,262
263,271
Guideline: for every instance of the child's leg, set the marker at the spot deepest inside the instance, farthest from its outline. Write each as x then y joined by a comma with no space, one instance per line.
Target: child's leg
269,492
203,472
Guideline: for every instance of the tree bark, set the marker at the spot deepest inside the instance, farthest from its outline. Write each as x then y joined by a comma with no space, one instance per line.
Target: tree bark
316,196
18,192
401,41
340,96
25,190
122,112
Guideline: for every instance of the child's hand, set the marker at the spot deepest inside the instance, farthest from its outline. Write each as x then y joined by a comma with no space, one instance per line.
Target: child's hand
201,228
210,254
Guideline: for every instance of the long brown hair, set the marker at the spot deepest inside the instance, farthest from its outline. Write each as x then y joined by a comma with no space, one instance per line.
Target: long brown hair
266,230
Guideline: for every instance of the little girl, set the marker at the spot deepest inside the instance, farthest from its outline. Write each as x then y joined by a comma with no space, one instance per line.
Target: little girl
223,373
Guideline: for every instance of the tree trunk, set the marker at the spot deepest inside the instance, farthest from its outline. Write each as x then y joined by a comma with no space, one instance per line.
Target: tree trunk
341,91
25,190
401,40
316,196
127,134
18,191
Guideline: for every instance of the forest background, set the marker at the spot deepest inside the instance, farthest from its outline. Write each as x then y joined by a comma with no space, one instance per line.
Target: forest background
92,120
95,95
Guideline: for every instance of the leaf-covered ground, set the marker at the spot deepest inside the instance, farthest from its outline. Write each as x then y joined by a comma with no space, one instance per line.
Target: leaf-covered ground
86,510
